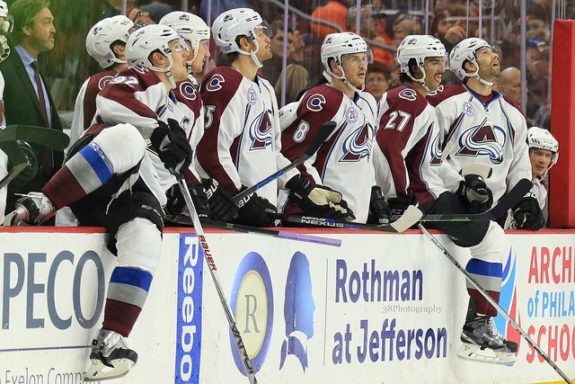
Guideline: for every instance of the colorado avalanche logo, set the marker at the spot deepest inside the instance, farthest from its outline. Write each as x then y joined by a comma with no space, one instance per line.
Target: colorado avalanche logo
103,81
484,140
436,152
261,132
408,94
315,102
188,91
215,83
358,145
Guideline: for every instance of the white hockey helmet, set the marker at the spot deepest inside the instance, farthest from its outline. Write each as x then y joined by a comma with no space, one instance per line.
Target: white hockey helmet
148,39
105,33
335,45
541,138
418,47
233,23
189,26
463,52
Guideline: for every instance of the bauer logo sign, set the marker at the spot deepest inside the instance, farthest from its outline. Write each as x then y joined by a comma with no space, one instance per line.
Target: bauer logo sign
189,310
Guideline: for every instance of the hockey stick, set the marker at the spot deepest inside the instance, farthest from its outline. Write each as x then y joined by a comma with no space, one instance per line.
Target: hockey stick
409,218
45,137
325,130
494,303
185,220
17,157
506,202
246,362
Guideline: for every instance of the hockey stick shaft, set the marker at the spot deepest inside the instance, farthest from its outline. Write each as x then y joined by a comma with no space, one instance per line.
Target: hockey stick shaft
324,132
185,220
409,218
46,137
494,303
213,268
506,202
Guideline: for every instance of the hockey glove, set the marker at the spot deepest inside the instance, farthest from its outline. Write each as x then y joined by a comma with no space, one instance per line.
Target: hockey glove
172,146
177,205
34,208
318,200
253,210
398,205
378,210
222,206
475,193
528,215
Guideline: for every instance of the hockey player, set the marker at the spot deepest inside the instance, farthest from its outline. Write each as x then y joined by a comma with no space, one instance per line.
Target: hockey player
105,43
407,157
241,144
543,154
117,177
480,127
344,162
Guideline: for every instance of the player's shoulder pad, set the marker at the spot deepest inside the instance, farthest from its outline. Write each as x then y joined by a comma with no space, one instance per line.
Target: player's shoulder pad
406,99
220,78
101,79
187,92
322,98
511,108
444,92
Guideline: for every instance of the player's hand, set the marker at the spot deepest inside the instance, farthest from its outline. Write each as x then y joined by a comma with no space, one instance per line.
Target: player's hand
253,210
222,206
528,215
318,200
378,210
475,193
172,146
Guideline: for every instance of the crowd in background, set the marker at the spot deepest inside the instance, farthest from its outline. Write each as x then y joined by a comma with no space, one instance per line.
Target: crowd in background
384,23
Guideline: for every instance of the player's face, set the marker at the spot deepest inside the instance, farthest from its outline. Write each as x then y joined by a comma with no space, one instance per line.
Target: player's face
264,42
488,61
540,161
180,55
355,67
202,53
40,34
434,70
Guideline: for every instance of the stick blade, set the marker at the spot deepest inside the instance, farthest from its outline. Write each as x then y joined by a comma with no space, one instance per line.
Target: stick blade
409,218
45,137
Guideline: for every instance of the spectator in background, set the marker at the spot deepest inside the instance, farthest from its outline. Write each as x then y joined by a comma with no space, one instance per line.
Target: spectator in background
139,17
402,25
156,10
335,12
297,78
368,29
26,97
447,31
509,85
376,81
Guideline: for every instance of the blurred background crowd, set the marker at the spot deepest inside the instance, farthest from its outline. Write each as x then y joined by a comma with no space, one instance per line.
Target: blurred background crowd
521,29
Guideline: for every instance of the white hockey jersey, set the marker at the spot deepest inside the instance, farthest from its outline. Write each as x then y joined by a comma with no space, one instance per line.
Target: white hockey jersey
407,154
344,161
478,129
139,97
241,144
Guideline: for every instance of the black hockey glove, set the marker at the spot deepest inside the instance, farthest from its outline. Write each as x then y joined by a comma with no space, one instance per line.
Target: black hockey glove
222,206
398,205
253,210
318,200
177,205
172,146
475,194
528,215
378,210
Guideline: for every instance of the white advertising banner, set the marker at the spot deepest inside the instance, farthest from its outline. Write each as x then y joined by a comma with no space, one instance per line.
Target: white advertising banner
381,308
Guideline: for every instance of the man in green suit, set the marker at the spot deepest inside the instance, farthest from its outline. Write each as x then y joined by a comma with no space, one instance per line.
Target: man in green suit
27,100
